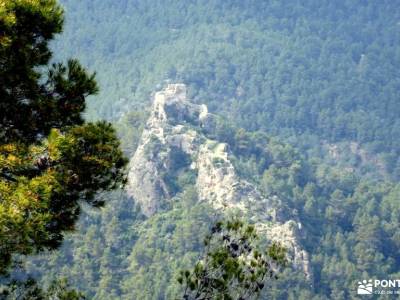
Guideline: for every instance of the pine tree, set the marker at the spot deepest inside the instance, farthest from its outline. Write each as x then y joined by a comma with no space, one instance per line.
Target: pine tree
50,158
232,267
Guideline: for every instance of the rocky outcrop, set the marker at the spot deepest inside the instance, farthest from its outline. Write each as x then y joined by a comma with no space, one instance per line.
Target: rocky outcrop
174,140
168,130
218,183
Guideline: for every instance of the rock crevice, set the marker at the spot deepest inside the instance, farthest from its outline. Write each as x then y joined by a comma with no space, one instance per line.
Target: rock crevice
175,131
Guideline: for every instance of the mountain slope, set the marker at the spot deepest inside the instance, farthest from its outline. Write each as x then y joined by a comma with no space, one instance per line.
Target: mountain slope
319,75
174,144
306,71
348,228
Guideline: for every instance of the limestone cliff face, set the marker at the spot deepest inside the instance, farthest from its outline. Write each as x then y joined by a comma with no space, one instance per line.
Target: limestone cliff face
173,139
168,130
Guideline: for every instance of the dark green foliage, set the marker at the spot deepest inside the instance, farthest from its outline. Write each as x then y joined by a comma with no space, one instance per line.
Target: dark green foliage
50,159
311,72
231,266
95,159
305,71
351,225
32,104
29,290
178,174
116,253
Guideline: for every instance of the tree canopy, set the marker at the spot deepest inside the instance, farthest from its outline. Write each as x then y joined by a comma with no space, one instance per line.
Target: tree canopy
319,75
232,266
50,159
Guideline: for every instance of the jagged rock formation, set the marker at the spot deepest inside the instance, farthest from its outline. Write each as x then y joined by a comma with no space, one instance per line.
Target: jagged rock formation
174,140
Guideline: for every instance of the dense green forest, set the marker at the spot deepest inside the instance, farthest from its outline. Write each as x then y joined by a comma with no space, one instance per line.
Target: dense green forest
309,71
308,95
351,226
51,159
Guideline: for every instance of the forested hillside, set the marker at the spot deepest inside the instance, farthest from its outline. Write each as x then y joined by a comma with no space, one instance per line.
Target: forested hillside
307,94
305,70
350,223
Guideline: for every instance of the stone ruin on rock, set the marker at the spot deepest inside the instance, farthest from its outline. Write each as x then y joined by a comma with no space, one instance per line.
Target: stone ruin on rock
176,126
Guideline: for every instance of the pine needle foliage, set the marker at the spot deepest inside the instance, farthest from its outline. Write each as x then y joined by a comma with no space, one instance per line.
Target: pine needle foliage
50,158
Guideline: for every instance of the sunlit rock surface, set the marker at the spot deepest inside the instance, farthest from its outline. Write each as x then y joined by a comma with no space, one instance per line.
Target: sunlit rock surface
174,139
